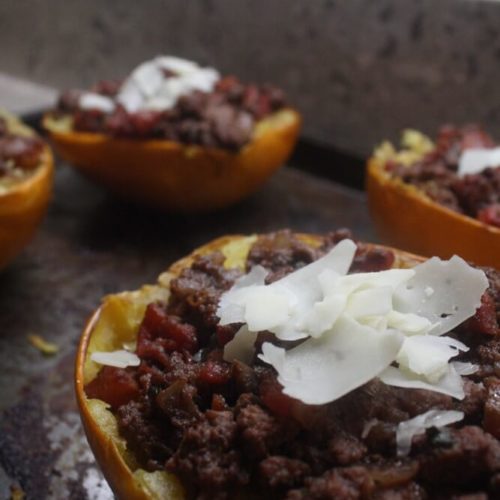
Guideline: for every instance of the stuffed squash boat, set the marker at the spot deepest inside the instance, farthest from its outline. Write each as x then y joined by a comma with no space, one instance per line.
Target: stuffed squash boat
297,366
176,135
439,198
26,171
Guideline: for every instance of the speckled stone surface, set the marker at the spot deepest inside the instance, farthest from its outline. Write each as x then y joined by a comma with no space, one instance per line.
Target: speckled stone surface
360,70
88,246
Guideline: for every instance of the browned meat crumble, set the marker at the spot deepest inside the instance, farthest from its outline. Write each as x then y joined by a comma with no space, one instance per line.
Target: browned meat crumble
18,154
475,195
224,118
227,427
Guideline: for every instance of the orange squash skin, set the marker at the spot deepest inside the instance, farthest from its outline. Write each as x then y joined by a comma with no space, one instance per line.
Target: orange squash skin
22,208
406,218
177,177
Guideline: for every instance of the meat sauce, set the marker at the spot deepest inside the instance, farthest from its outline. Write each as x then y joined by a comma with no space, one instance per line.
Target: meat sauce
19,154
227,427
475,195
224,118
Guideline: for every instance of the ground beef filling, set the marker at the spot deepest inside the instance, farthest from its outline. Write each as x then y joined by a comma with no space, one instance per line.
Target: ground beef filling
18,154
227,427
475,195
224,118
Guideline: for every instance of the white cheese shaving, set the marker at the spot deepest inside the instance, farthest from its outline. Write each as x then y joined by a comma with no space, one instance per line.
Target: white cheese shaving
149,88
176,65
300,291
450,383
458,289
475,160
89,100
417,425
240,347
409,323
428,355
118,359
325,369
465,368
368,427
355,326
370,302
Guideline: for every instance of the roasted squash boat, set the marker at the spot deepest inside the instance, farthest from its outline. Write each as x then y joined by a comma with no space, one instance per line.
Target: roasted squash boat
176,135
257,368
26,171
439,198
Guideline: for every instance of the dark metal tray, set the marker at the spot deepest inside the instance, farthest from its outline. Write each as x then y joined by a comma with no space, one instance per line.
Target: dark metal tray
91,244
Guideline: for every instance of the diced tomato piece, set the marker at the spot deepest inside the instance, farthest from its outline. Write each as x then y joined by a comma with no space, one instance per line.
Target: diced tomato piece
271,394
158,324
485,320
225,334
115,386
145,121
490,215
214,373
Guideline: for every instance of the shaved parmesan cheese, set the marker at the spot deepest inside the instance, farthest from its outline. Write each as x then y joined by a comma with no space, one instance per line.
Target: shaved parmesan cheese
299,290
371,302
391,278
450,383
428,355
377,322
457,287
465,368
256,276
321,370
266,309
148,77
474,160
355,326
241,347
324,314
118,359
409,323
417,425
368,427
89,100
338,260
177,65
328,279
149,87
130,97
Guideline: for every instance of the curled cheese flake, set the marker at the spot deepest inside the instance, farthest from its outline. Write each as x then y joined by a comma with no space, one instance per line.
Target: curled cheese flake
475,160
118,359
159,83
354,327
417,425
